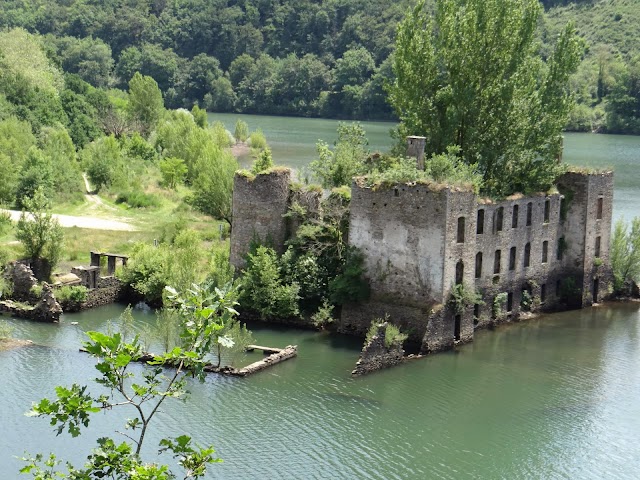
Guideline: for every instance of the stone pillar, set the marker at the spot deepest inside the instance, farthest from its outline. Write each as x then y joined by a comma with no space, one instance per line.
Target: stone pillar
259,204
95,259
415,148
111,264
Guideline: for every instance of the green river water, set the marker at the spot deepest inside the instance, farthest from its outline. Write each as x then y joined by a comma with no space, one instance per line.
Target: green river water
555,397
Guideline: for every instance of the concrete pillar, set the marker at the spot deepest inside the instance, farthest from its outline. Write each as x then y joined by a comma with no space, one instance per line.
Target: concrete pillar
415,148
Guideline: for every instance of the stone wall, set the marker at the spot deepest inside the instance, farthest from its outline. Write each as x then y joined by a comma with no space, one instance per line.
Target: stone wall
107,291
259,206
376,356
401,232
523,264
356,318
420,241
22,279
589,217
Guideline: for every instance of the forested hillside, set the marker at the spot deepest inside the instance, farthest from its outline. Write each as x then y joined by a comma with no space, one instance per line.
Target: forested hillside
304,57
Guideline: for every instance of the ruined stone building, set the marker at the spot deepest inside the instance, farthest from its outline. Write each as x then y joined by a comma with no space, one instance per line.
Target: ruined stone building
424,242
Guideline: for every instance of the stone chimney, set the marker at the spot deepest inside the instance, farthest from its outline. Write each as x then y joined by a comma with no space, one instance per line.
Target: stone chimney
415,148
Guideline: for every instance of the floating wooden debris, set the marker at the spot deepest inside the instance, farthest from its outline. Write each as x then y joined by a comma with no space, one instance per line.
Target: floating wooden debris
266,350
276,355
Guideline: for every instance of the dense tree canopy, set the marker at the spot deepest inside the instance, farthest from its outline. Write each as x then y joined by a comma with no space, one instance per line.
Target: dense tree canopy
471,76
303,57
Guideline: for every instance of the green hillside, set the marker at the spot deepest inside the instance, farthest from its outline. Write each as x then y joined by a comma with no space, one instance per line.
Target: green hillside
615,23
328,58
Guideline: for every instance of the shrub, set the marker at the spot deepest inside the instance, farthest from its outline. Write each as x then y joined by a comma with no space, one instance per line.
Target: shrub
450,168
263,161
150,268
241,132
305,271
137,147
137,199
173,171
41,235
71,297
257,140
498,304
221,135
220,269
393,336
6,287
463,297
323,316
349,284
36,291
569,291
336,167
625,253
263,289
527,300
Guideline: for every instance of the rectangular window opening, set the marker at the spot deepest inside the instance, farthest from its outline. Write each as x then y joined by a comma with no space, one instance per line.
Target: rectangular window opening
543,293
527,255
529,213
512,258
545,251
509,302
499,218
479,265
480,222
496,262
461,224
514,218
597,249
547,210
600,205
561,248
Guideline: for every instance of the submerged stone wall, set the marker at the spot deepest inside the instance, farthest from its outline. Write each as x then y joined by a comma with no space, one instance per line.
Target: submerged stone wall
376,355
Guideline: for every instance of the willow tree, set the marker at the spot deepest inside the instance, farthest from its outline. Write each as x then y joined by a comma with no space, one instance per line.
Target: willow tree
470,74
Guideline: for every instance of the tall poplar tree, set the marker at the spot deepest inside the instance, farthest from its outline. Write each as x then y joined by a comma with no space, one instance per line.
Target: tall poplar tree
145,101
470,74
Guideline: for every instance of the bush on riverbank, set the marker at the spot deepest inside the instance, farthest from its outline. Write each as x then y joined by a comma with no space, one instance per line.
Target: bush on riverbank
625,253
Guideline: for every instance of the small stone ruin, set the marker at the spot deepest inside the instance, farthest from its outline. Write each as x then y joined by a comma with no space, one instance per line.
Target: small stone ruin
376,355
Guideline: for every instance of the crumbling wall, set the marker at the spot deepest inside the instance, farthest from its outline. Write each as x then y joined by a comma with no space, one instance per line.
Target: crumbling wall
400,230
259,206
376,355
22,280
588,230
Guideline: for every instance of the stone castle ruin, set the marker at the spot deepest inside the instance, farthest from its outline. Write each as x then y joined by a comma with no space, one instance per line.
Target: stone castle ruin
429,247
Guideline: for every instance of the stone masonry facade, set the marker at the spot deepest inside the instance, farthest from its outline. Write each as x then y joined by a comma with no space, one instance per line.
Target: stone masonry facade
542,252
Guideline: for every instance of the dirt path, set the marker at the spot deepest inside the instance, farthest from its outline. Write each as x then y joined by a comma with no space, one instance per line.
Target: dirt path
83,222
92,198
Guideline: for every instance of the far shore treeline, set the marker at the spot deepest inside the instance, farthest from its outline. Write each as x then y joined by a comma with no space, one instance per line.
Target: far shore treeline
306,58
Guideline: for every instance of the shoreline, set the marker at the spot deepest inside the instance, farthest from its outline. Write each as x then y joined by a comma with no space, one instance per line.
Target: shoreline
240,149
